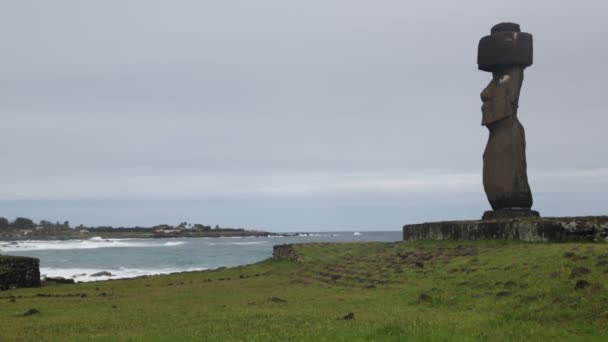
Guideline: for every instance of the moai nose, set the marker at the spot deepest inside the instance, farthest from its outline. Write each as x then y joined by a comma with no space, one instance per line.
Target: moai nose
485,95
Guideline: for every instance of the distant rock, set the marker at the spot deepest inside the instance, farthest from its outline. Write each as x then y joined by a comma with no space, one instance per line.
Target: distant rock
59,280
102,274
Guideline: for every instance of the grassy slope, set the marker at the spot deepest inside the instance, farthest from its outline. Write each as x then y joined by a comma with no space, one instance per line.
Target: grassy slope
474,291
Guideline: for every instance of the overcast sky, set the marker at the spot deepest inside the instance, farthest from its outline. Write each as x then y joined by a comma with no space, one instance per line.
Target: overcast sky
288,115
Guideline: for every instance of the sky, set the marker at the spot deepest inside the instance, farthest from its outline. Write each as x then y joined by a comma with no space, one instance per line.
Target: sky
288,115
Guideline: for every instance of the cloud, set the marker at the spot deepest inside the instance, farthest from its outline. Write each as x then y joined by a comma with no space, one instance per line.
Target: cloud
244,105
182,184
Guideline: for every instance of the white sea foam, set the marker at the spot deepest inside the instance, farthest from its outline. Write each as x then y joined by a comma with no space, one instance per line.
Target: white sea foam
84,274
92,243
237,243
177,243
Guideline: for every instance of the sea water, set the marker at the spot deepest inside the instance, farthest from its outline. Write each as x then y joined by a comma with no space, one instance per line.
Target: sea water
127,258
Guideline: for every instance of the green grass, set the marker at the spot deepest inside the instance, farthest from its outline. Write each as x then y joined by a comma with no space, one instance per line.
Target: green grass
427,291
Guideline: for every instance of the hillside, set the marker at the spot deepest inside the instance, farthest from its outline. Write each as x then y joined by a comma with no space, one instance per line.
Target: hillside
382,291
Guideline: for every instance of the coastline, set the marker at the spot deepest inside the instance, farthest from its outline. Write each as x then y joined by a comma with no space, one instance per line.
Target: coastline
136,235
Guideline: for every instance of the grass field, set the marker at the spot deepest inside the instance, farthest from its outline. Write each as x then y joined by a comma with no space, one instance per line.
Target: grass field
427,291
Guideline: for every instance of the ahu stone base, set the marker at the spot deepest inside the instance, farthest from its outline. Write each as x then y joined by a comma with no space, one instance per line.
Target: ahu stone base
532,229
285,252
17,272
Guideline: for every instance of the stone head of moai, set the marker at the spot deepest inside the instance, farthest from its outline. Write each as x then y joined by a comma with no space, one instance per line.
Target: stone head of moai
506,52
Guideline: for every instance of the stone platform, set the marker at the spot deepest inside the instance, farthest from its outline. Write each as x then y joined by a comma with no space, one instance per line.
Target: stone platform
532,229
17,272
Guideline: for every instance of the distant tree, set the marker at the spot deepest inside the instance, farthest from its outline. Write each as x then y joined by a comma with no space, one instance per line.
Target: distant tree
46,223
3,223
201,227
23,223
217,226
66,224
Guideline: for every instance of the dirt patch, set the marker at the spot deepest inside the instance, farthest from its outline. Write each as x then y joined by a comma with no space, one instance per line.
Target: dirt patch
579,271
569,255
528,299
424,299
277,300
510,284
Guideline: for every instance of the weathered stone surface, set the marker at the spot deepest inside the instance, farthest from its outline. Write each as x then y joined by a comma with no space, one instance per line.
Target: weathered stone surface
505,179
506,52
503,49
17,272
513,27
506,46
509,214
556,229
285,252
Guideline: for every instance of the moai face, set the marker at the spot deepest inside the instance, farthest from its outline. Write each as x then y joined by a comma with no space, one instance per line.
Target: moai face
501,97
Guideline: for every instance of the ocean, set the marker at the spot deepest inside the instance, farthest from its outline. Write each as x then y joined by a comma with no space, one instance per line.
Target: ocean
127,258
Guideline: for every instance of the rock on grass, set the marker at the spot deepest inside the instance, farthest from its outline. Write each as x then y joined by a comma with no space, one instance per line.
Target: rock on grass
102,274
581,284
424,298
31,312
349,316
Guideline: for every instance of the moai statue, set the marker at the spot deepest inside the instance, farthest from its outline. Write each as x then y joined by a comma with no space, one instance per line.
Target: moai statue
506,52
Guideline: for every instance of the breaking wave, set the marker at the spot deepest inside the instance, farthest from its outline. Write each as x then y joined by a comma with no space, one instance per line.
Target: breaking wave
92,243
237,243
86,274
